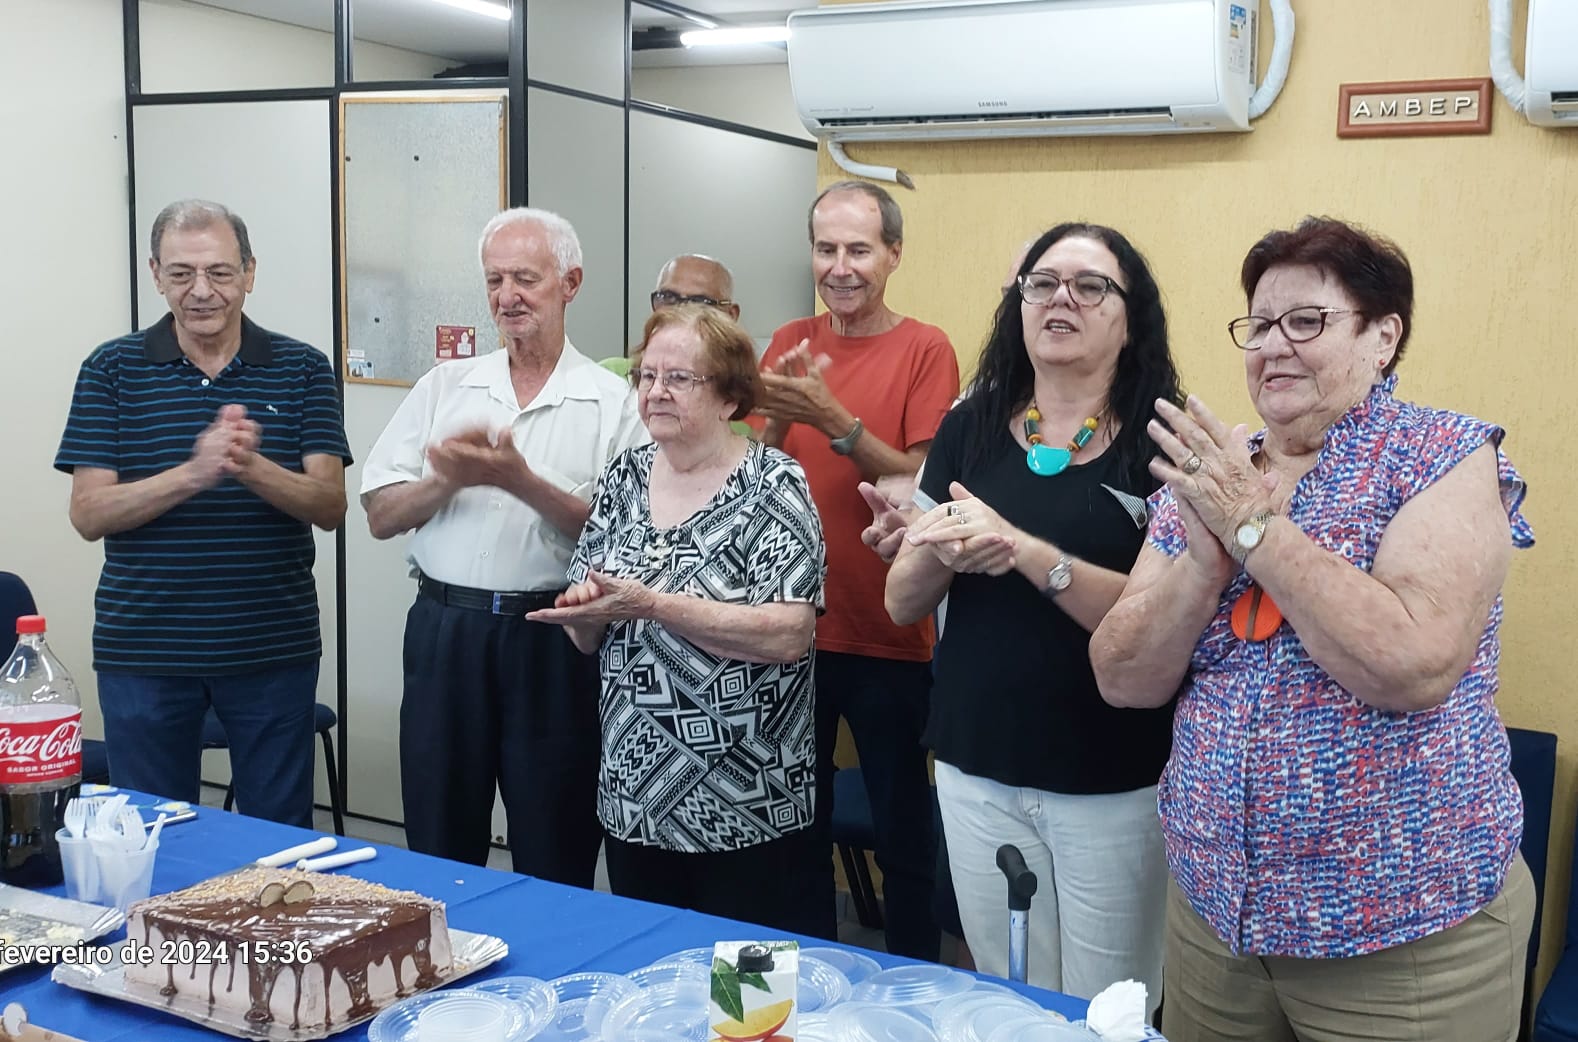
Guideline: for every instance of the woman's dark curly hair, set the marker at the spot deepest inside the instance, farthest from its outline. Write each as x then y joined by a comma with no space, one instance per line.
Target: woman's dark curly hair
1004,380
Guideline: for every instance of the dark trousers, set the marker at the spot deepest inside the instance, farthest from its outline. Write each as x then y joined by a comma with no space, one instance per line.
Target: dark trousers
496,701
763,884
885,702
153,730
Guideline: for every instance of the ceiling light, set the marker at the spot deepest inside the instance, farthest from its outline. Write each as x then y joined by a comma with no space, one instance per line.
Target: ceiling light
744,34
499,11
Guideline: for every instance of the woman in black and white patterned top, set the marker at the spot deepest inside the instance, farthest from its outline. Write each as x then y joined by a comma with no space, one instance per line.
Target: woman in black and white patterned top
698,579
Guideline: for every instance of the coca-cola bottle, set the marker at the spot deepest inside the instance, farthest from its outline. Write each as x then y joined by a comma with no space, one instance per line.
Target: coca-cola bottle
40,756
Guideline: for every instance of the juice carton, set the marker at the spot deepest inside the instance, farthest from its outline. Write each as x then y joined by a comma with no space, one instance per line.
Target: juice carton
754,991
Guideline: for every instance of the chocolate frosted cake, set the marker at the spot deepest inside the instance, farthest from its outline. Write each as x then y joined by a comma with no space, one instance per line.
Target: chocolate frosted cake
302,949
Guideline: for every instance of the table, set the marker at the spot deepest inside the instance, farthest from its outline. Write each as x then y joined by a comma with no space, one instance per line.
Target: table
551,929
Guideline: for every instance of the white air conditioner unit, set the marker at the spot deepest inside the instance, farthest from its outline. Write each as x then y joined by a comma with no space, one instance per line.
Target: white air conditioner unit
1550,64
986,68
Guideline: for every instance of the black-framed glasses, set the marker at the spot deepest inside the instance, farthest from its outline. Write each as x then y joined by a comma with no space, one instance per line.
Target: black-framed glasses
676,381
667,298
1299,325
217,275
1087,288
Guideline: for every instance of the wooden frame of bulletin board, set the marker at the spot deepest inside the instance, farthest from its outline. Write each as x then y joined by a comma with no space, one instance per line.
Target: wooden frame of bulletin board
420,174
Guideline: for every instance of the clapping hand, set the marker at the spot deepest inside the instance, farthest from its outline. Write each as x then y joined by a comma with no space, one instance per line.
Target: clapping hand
886,499
796,391
1211,472
598,600
227,447
966,535
477,457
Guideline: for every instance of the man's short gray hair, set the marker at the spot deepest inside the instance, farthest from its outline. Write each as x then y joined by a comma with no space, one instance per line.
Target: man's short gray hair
562,240
187,214
887,206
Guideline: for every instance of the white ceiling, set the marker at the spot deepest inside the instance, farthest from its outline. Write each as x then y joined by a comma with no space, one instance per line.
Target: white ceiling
433,28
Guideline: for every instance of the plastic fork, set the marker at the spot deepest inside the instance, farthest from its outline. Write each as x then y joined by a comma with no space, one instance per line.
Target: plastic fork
127,829
77,815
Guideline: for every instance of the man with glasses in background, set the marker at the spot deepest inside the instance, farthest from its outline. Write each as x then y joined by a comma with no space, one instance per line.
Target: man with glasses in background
854,395
203,450
492,461
692,278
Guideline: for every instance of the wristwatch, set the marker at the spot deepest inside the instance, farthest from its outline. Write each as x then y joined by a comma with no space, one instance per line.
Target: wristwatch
1059,576
1248,535
845,445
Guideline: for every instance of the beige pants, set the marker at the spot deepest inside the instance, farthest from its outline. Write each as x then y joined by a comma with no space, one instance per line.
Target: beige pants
1464,984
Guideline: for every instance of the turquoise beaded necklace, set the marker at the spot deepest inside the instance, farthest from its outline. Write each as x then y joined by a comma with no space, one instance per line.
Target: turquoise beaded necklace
1045,460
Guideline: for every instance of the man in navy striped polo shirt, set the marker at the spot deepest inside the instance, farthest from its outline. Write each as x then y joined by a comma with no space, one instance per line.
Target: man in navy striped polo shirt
202,450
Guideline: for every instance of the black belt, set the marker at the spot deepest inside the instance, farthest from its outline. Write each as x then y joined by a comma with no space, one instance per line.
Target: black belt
518,603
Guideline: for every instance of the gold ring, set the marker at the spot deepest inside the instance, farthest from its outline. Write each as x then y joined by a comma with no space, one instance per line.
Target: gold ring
1192,465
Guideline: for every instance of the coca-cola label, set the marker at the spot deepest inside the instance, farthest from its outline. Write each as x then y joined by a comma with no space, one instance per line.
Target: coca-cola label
41,750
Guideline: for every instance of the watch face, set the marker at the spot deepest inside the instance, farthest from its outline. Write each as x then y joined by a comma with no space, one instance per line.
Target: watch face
1060,577
1248,535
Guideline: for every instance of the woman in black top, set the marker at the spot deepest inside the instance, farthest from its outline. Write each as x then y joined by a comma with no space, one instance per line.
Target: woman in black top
1041,473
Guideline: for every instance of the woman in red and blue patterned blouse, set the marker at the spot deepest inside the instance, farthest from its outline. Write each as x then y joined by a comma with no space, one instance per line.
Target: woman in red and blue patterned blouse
1324,599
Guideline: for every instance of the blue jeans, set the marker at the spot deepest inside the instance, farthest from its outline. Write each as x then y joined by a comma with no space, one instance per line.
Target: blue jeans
153,728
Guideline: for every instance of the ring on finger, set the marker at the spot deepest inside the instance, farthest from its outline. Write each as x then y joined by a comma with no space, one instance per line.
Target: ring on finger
962,518
954,510
1193,464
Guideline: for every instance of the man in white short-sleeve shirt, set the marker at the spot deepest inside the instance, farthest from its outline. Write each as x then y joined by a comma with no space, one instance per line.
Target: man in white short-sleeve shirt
492,460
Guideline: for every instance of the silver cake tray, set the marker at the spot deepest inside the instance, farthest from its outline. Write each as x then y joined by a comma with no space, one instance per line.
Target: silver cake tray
472,952
31,919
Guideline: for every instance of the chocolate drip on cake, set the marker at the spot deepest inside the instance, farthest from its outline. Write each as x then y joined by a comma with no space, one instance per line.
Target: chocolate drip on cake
347,925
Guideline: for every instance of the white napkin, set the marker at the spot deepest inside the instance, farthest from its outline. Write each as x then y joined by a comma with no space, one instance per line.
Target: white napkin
1118,1013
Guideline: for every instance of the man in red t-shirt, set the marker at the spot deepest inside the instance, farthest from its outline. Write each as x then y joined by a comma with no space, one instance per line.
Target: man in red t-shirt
856,394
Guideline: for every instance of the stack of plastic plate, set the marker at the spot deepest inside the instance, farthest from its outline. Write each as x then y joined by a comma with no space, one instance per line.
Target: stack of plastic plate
974,1015
447,1015
821,986
701,956
667,973
672,1007
815,1027
920,986
1041,1028
584,1000
869,1022
535,998
853,965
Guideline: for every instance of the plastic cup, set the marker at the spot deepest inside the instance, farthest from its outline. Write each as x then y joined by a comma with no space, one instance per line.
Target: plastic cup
80,865
125,875
463,1018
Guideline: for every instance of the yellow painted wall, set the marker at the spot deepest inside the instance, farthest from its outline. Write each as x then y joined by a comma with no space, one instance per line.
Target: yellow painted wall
1489,222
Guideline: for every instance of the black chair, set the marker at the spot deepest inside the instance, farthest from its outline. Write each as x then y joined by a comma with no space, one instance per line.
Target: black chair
323,722
1534,767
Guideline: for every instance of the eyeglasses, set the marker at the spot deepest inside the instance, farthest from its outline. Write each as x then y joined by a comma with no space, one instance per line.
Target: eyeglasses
218,275
667,298
676,381
1299,325
1087,289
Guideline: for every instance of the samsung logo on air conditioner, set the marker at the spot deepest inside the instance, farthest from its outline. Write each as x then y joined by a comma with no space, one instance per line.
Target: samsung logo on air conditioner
991,104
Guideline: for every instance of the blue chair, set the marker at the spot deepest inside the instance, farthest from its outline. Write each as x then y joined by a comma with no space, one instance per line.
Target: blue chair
16,600
323,722
1556,1019
1534,767
854,833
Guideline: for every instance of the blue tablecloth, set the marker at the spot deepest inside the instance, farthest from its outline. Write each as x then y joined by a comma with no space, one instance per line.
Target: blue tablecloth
551,930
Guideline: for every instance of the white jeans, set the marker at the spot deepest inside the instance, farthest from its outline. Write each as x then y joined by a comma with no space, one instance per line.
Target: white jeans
1100,910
